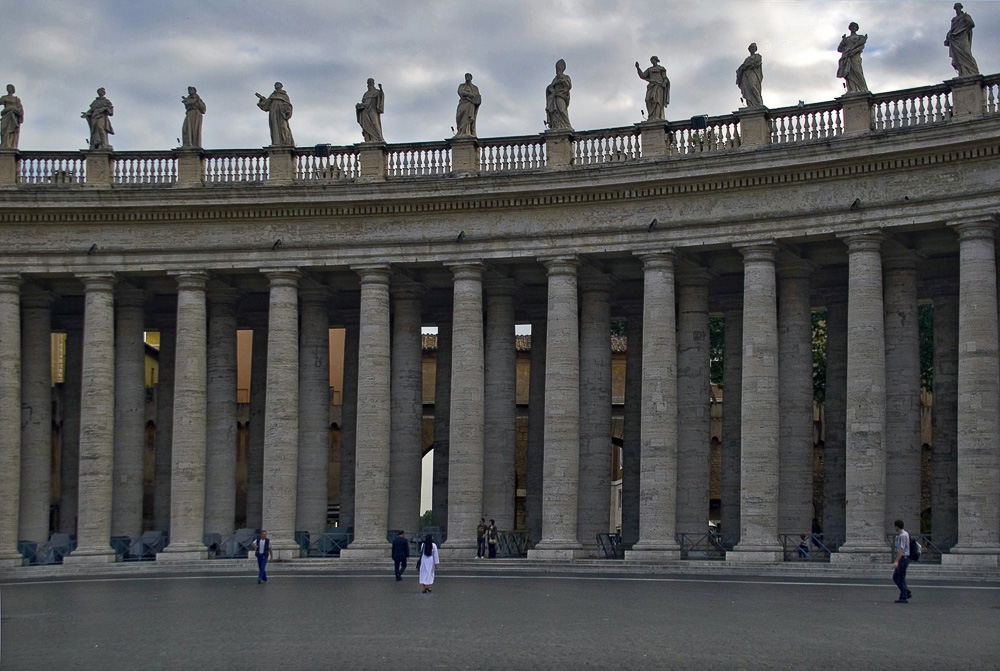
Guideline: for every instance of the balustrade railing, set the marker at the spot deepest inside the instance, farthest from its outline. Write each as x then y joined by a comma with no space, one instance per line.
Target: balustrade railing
418,159
991,86
807,122
720,133
502,154
911,107
235,166
611,145
152,167
338,163
55,167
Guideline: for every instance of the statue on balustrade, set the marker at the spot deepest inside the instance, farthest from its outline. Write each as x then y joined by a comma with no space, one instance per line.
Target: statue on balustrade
849,68
959,43
749,77
657,88
11,118
369,112
191,130
99,117
279,110
468,107
557,99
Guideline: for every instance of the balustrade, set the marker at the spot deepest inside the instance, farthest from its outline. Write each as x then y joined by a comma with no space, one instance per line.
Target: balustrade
414,160
57,168
501,154
340,163
612,145
911,107
228,166
991,85
808,122
145,168
720,133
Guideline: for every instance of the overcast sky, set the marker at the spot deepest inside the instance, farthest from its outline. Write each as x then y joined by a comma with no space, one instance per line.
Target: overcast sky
146,52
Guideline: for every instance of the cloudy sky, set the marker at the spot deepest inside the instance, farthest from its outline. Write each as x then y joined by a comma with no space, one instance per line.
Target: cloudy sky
146,52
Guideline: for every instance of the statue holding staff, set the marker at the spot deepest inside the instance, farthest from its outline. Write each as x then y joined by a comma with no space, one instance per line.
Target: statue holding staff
191,130
849,68
279,110
959,43
369,112
99,117
557,99
468,107
749,77
657,88
11,118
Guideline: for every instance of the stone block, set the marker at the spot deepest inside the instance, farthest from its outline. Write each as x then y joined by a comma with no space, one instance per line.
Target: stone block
365,554
653,135
755,131
967,98
564,554
464,155
281,164
190,166
371,155
8,166
558,148
754,557
953,558
861,557
857,113
102,558
100,171
169,555
651,555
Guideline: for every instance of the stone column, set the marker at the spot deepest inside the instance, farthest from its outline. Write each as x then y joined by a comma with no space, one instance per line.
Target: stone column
164,423
835,417
406,425
371,493
130,412
281,413
759,410
349,420
658,485
36,413
255,441
10,418
465,461
944,414
220,461
795,392
865,472
501,404
561,470
442,421
594,505
536,428
632,427
187,467
732,381
978,400
97,417
314,411
69,459
694,433
902,390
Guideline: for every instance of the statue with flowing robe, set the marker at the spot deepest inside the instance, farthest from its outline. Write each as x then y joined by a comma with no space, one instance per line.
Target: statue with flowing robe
99,117
468,107
279,110
11,118
657,88
191,130
557,99
749,77
959,43
369,112
849,68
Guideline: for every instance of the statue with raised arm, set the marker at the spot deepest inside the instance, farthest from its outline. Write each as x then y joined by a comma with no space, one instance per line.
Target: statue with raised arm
369,112
279,110
849,68
11,118
99,117
959,43
749,77
557,99
657,88
468,107
191,130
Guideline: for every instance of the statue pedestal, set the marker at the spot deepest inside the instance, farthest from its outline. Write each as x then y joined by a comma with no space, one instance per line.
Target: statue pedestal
755,131
190,166
967,100
100,171
857,111
8,166
464,154
653,135
371,155
280,164
558,147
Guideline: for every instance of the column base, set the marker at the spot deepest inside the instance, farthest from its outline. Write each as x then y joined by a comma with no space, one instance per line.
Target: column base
175,552
557,554
11,561
862,554
448,551
84,556
649,553
365,553
975,557
738,556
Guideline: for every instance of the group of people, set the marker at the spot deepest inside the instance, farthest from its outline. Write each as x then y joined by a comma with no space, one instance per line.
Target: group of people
487,539
427,559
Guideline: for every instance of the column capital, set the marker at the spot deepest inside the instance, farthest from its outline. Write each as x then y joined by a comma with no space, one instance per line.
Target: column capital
98,281
313,292
895,256
466,270
693,276
977,229
10,283
500,286
33,296
282,277
862,241
130,296
373,273
791,266
597,283
223,294
561,265
404,288
190,280
761,251
663,259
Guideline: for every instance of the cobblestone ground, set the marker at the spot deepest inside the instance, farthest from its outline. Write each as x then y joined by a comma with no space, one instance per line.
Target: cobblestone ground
494,622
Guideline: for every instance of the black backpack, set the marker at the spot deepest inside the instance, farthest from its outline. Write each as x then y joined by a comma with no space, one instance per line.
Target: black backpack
914,549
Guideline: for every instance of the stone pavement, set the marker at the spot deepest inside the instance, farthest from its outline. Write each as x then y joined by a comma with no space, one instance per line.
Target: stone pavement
480,620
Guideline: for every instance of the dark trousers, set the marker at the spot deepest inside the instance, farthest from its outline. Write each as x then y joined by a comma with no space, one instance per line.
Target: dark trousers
481,547
261,563
899,577
493,550
400,567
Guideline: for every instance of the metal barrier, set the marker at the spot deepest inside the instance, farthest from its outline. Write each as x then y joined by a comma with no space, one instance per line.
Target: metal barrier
931,549
147,546
610,545
512,543
809,547
330,543
703,546
236,546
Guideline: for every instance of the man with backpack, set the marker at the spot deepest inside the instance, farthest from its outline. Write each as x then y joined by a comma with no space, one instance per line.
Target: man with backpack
902,547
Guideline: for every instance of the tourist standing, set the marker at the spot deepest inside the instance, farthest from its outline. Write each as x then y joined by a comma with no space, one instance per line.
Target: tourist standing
428,560
481,538
400,551
262,550
492,538
902,547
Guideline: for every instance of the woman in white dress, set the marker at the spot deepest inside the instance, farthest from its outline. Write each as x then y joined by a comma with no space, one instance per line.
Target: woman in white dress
428,560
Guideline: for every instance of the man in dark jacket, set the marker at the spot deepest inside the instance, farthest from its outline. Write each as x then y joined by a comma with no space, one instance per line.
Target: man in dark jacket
400,551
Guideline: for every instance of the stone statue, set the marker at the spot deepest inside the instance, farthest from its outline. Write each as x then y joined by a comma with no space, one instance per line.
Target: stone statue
657,90
279,111
191,130
99,117
557,99
959,43
369,112
849,68
11,119
468,107
749,77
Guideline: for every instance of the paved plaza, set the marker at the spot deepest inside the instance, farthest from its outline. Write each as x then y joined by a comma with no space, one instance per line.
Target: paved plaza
478,621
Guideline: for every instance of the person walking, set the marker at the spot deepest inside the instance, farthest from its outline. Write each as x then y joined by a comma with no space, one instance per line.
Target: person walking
428,560
262,550
902,547
492,538
481,538
400,551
